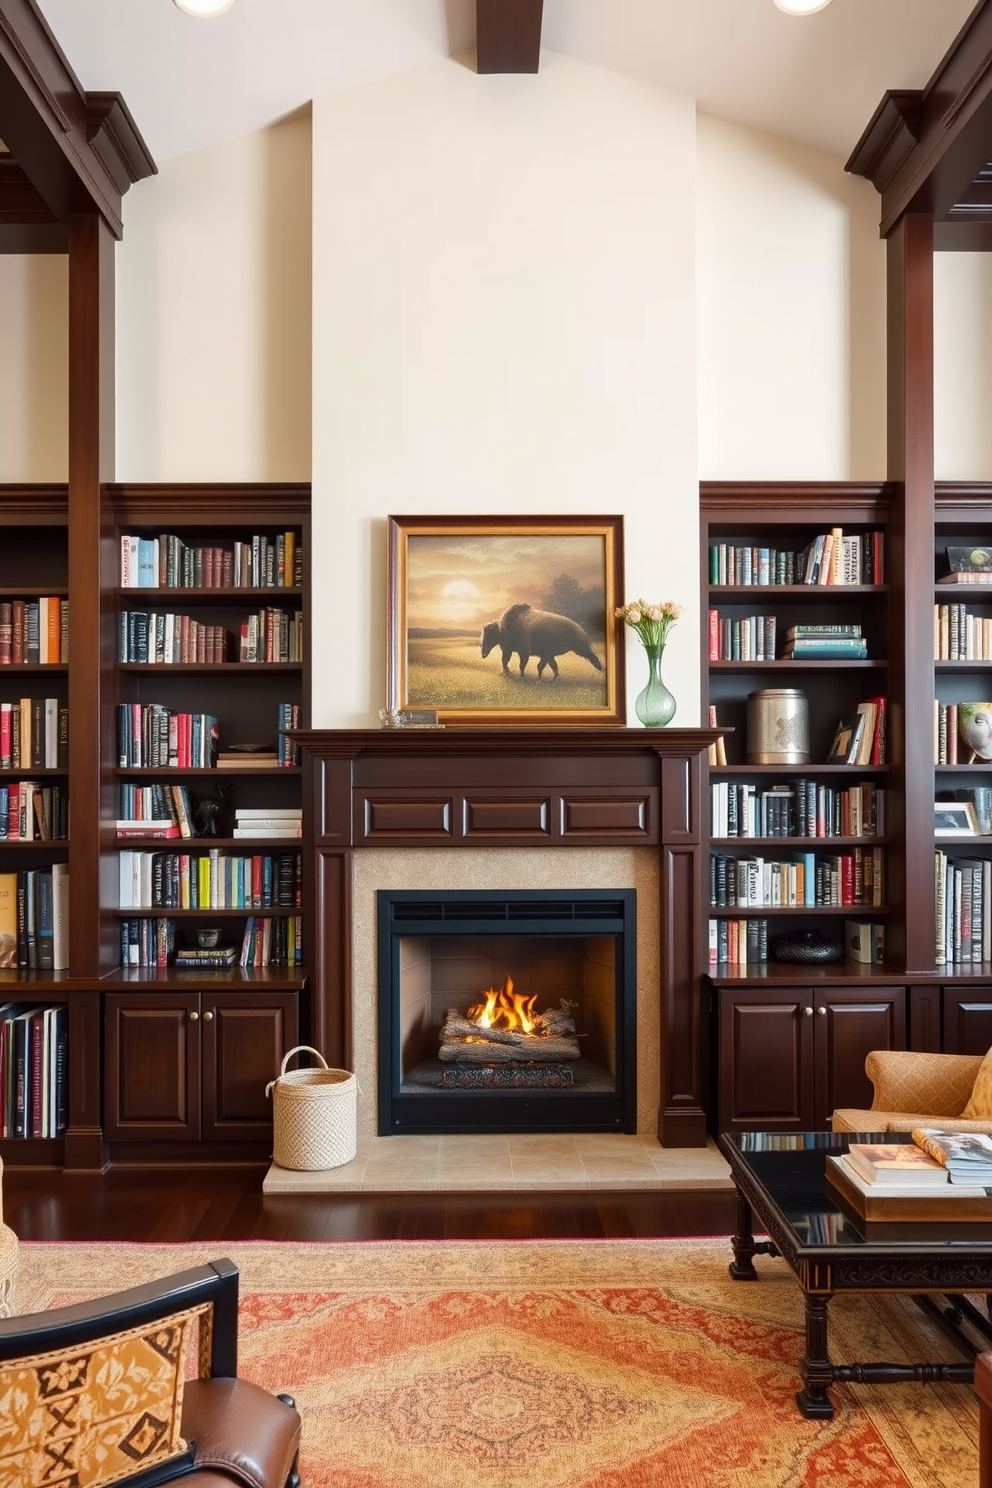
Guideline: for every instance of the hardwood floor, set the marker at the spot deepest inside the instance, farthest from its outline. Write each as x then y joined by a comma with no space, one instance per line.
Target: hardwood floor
172,1206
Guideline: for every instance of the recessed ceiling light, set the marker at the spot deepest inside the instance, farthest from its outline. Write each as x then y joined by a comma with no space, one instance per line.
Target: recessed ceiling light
791,7
203,8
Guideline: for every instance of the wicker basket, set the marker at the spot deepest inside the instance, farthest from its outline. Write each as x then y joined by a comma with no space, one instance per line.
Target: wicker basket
314,1116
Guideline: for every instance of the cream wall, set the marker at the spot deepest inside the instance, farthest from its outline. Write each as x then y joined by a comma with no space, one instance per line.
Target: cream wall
503,322
962,382
213,314
791,312
34,367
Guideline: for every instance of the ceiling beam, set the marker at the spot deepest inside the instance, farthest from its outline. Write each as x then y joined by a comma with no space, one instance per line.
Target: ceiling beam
81,152
508,35
922,151
26,222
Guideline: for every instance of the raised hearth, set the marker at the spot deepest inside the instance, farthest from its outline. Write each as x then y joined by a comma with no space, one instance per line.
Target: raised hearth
504,791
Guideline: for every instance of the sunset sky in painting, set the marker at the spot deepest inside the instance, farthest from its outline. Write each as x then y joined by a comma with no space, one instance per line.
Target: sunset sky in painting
459,583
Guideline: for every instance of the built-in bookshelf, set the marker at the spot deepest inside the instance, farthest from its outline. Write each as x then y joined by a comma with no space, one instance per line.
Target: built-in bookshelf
795,587
34,820
962,617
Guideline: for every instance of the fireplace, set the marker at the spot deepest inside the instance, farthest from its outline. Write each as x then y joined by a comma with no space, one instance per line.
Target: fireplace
562,963
457,808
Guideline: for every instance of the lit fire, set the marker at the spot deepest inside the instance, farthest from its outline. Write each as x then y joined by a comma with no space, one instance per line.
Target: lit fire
504,1008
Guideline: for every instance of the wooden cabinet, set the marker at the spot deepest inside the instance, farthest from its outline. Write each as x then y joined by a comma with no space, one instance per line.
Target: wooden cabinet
789,1055
194,1065
967,1019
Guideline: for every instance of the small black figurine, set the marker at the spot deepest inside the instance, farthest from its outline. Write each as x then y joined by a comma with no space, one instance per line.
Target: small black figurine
209,808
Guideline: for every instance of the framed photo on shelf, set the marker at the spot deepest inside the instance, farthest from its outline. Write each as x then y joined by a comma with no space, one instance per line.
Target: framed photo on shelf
955,819
506,620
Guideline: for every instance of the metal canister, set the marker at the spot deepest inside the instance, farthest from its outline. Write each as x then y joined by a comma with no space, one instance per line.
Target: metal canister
778,727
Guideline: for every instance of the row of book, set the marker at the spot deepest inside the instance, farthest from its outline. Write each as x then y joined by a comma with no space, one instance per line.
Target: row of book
146,637
267,941
150,735
959,634
948,747
750,638
166,562
862,738
800,808
34,919
34,631
833,557
212,880
34,1070
738,942
32,812
963,894
158,810
806,880
34,734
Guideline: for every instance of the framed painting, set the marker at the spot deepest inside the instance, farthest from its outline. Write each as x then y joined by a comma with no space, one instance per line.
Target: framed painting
506,620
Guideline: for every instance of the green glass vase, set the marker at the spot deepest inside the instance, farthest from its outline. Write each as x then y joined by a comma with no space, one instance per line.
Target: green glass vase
655,705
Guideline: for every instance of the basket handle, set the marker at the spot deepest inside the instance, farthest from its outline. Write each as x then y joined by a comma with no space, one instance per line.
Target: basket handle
302,1049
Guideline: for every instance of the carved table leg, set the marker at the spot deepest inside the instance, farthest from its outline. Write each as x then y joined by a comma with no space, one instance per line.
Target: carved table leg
741,1267
813,1400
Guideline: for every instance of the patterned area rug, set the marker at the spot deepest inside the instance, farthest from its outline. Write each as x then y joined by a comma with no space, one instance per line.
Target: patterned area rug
557,1364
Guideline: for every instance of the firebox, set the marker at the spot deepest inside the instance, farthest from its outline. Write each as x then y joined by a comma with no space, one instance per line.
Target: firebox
506,1010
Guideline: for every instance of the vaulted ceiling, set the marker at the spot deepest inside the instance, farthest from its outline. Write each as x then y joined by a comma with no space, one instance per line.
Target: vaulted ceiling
190,83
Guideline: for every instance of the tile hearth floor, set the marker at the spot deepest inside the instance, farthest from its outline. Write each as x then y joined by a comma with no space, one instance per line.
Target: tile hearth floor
527,1161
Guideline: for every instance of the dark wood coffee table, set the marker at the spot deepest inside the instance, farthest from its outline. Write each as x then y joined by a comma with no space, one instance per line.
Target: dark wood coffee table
781,1184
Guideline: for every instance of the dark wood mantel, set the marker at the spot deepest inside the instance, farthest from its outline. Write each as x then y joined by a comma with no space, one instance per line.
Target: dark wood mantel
506,789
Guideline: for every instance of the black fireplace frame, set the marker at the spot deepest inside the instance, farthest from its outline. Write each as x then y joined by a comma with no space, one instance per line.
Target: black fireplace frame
489,912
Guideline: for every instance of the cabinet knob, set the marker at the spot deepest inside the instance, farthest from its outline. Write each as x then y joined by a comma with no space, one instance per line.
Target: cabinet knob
194,1017
822,1012
208,1017
807,1012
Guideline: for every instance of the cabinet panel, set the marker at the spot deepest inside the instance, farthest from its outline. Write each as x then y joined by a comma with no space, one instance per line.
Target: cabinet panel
153,1066
967,1020
848,1023
766,1046
243,1047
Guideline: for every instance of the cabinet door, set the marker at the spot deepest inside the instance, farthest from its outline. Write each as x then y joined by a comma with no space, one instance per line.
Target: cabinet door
766,1060
153,1066
244,1039
849,1022
967,1020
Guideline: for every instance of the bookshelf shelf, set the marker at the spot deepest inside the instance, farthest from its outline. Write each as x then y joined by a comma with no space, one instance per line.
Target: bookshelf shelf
790,771
260,911
37,668
788,665
243,846
213,773
206,668
175,597
810,844
775,911
813,592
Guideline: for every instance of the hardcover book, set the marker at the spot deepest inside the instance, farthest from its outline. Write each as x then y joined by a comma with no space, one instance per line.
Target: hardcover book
895,1163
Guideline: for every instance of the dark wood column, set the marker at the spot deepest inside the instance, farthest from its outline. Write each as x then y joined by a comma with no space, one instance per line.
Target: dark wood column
91,457
909,249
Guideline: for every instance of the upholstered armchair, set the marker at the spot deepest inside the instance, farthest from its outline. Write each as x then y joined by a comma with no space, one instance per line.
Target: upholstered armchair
914,1089
98,1394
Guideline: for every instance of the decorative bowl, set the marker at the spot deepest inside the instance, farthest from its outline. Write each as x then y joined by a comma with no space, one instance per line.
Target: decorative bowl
806,946
975,727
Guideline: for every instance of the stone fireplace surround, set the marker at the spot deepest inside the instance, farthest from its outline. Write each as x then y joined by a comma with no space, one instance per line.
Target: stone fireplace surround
513,793
451,806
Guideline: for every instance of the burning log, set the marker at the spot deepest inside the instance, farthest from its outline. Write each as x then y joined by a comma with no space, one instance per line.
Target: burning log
542,1038
478,1050
456,1025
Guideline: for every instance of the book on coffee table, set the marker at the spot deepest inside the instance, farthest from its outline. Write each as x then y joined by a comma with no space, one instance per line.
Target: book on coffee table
919,1204
895,1163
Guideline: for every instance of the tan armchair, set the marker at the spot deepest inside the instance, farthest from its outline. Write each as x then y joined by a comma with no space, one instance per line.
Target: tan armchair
916,1090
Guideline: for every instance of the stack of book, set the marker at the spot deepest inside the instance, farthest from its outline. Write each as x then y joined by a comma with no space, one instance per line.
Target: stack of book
206,958
248,757
825,643
968,565
938,1175
268,821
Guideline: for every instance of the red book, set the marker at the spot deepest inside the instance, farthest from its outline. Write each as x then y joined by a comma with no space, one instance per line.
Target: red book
18,643
714,632
6,632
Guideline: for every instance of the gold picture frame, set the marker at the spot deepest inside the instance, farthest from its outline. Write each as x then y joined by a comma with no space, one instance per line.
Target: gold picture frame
506,620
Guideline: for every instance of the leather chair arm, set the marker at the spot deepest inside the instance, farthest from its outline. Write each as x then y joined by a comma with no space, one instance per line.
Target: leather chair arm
241,1430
